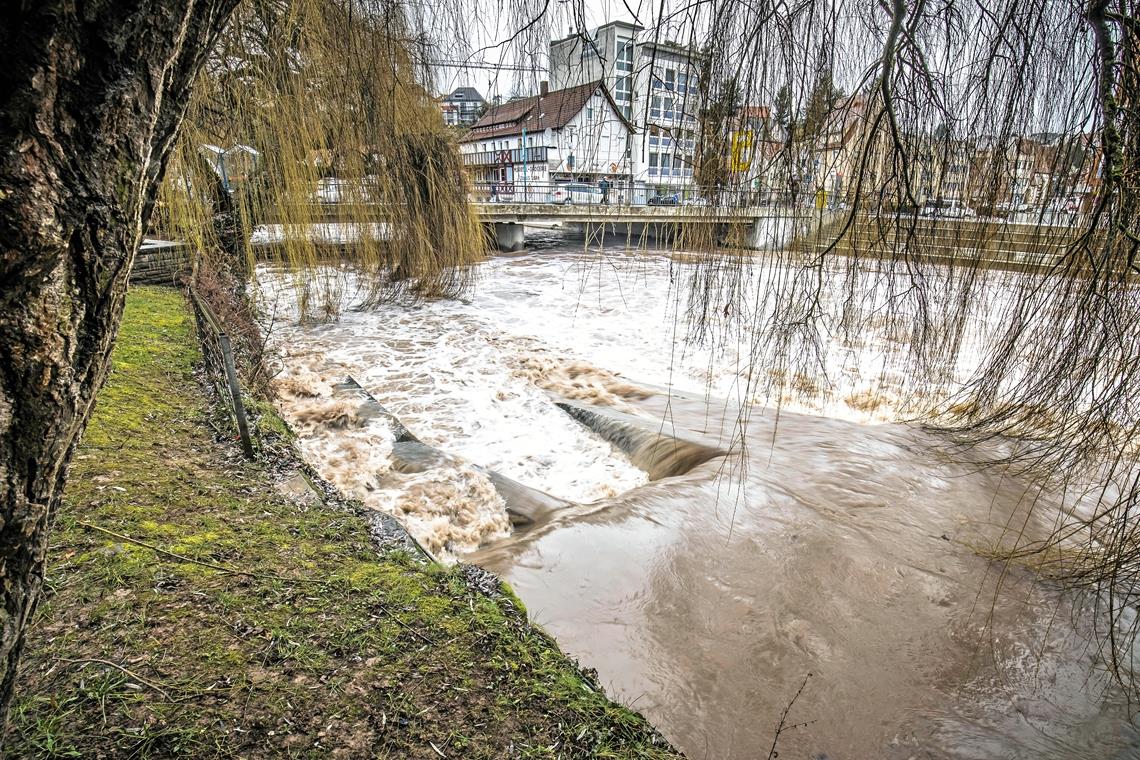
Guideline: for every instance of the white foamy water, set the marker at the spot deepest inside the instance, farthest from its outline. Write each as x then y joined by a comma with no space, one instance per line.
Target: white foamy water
459,383
477,377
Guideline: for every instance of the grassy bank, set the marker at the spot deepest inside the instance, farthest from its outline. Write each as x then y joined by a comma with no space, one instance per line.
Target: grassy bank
193,608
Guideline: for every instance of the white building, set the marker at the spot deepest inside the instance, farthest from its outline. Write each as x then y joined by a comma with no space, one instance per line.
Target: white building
525,145
655,85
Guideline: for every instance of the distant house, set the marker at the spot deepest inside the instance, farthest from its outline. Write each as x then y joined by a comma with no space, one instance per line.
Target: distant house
232,165
837,150
754,142
462,107
573,134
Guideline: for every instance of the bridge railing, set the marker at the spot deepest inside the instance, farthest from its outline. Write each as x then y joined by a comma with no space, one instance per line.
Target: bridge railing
622,194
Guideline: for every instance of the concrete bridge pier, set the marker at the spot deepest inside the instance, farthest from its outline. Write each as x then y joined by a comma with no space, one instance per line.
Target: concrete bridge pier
509,236
770,233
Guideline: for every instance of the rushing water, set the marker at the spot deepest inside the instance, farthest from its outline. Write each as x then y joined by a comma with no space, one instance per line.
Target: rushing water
831,544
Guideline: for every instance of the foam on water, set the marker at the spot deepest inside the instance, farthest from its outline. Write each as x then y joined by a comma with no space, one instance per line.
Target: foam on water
458,383
477,377
844,551
449,509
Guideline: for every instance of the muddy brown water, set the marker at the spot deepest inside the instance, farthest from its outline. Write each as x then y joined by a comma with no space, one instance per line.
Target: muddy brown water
835,549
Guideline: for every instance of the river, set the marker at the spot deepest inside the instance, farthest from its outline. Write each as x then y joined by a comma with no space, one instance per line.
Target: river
831,549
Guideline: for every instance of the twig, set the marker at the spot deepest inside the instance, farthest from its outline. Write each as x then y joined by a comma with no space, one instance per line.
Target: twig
184,558
116,666
782,726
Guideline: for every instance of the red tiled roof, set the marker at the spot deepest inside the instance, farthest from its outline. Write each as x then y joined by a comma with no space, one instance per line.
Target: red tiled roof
536,113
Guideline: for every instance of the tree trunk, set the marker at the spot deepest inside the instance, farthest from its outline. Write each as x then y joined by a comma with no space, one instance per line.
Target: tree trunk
91,98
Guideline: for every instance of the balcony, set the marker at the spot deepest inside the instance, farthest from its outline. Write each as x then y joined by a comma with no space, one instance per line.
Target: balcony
534,155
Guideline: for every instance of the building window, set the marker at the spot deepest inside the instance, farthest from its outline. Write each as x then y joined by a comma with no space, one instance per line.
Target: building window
625,55
622,90
653,159
670,79
655,107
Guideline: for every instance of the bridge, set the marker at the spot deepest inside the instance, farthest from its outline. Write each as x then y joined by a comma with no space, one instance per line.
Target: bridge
990,242
764,227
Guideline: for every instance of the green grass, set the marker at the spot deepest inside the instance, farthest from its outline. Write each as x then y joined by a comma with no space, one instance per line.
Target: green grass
193,610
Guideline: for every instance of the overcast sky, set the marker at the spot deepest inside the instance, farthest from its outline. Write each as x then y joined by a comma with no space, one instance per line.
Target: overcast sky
1046,79
487,36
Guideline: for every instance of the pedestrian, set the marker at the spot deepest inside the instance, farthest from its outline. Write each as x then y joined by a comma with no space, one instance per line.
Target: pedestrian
604,186
494,193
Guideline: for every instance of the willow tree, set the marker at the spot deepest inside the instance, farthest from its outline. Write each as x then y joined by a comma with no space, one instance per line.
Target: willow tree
94,93
353,157
91,99
978,101
94,98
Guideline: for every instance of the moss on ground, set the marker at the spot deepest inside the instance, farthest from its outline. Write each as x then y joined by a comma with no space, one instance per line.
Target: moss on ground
192,609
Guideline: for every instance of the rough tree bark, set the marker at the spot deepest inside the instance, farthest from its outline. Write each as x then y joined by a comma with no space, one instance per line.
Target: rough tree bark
92,93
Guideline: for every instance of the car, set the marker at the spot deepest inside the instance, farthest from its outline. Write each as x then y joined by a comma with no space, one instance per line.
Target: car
696,200
665,199
576,192
946,210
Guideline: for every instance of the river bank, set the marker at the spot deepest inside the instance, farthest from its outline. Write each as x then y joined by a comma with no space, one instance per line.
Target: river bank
199,605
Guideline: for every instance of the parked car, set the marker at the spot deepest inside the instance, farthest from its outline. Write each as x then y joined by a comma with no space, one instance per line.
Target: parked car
1068,205
696,200
576,192
666,199
946,210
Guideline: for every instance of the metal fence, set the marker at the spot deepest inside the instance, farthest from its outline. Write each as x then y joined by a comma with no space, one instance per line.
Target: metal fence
621,194
218,354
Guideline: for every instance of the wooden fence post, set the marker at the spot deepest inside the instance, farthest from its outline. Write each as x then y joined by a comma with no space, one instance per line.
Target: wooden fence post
213,327
235,393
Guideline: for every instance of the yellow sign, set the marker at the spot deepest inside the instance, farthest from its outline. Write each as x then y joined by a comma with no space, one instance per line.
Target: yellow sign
741,151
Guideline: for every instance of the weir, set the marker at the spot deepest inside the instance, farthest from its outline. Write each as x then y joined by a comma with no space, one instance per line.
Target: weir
659,455
525,505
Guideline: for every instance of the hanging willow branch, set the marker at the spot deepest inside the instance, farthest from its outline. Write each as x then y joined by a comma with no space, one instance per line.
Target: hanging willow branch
349,162
910,101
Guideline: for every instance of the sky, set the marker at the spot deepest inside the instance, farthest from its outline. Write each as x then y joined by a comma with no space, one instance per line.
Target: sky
513,64
478,47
